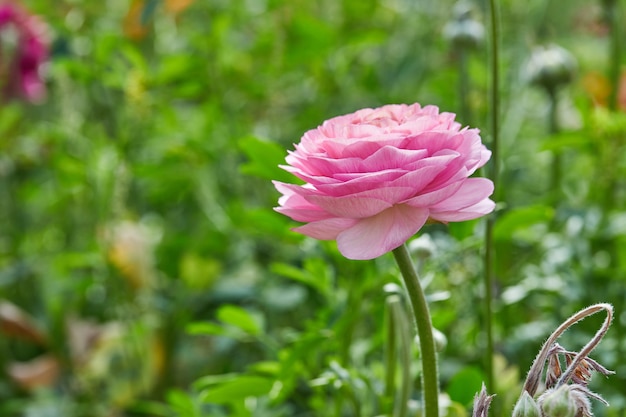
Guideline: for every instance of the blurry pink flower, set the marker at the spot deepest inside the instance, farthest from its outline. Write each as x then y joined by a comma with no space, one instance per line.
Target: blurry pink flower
23,49
374,177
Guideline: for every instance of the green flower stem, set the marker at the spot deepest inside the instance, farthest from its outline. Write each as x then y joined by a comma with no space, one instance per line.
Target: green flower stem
430,376
494,100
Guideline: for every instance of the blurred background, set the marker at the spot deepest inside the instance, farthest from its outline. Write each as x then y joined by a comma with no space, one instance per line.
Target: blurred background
144,273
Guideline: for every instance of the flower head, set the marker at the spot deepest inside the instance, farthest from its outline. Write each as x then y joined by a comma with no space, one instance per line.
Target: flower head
373,178
550,67
24,48
464,31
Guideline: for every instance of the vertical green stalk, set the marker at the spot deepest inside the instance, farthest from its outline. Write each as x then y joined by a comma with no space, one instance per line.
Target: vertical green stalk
494,99
398,330
428,354
401,407
553,128
613,15
390,351
611,11
489,279
464,113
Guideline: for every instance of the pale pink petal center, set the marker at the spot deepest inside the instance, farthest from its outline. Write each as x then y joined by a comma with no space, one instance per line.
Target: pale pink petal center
376,235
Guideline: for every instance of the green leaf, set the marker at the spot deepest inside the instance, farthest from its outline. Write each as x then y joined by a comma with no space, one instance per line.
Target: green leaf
313,275
207,381
181,402
264,158
564,140
265,367
9,119
465,384
206,328
267,222
152,408
462,230
240,318
238,389
199,273
521,219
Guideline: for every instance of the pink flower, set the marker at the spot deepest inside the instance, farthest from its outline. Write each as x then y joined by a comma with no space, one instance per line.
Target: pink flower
23,49
374,177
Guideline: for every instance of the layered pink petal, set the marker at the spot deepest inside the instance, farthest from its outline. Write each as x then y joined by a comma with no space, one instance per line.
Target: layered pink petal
443,159
313,179
380,177
291,190
389,158
468,213
390,194
374,236
327,229
350,207
374,177
471,192
304,215
434,197
419,179
365,148
325,166
414,179
348,184
484,157
434,141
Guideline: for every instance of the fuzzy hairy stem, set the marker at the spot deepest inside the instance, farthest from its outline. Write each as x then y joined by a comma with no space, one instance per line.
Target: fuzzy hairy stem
534,374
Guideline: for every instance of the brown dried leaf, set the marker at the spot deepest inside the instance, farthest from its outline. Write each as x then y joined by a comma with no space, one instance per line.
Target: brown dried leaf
177,6
42,371
15,322
133,27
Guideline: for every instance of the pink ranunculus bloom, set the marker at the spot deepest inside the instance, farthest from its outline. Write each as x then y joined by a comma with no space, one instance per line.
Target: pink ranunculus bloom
22,58
375,177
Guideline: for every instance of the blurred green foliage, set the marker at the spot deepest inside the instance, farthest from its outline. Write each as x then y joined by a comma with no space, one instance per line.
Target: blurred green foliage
153,279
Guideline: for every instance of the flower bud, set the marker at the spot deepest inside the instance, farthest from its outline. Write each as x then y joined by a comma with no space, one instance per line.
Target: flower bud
441,341
482,402
392,289
24,49
558,402
464,31
550,67
526,407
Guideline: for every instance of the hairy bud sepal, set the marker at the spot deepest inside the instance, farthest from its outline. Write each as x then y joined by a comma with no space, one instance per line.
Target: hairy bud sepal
526,407
558,402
